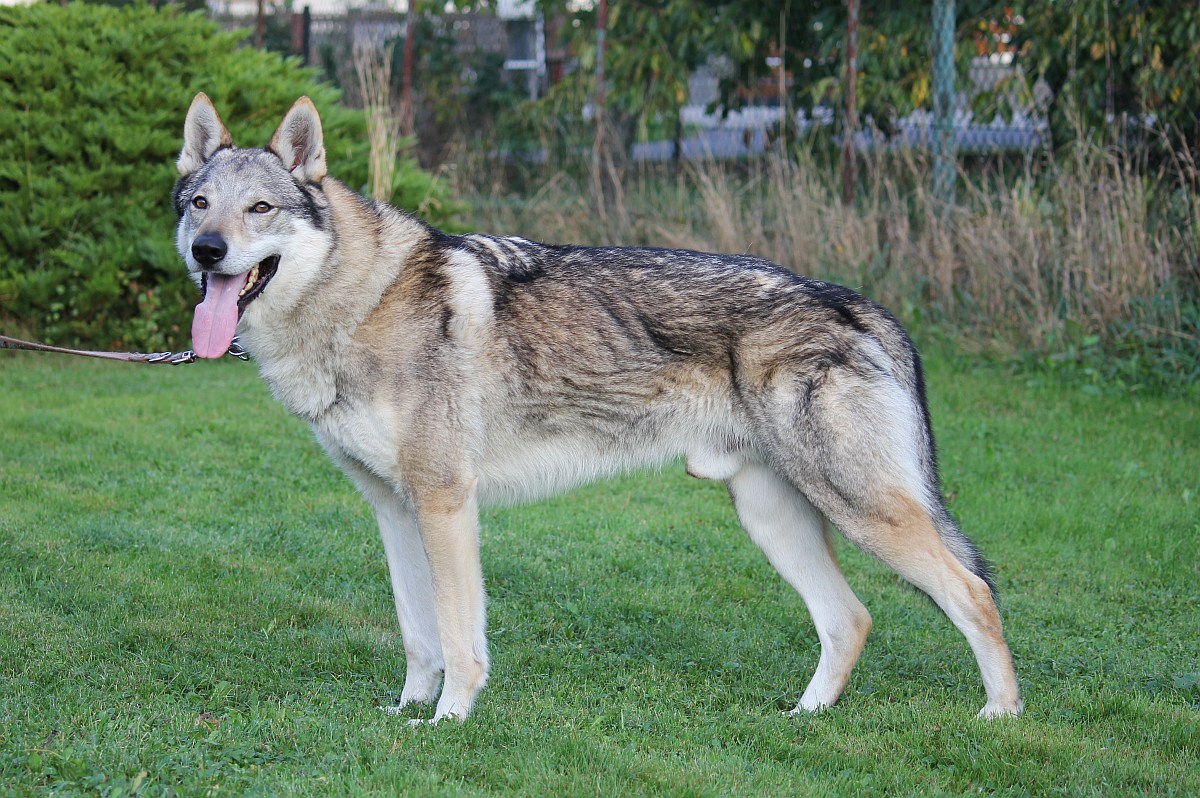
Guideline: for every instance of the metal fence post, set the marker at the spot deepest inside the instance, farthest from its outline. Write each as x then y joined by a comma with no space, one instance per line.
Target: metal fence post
306,38
944,170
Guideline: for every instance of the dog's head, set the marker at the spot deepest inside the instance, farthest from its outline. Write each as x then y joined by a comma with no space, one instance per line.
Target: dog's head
253,224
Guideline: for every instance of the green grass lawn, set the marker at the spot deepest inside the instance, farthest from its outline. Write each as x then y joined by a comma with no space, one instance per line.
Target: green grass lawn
194,601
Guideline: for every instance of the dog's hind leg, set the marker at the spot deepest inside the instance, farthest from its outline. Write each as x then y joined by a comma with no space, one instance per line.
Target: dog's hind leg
861,452
852,434
793,536
902,533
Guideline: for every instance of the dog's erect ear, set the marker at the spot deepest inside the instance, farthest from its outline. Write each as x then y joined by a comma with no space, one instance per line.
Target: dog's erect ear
299,143
203,134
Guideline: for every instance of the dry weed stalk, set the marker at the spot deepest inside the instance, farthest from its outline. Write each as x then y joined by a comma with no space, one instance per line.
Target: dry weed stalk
373,66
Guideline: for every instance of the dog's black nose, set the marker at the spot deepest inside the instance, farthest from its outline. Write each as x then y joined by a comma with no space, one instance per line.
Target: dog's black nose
208,249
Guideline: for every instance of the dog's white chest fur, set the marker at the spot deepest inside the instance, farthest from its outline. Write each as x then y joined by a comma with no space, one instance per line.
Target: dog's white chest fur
365,434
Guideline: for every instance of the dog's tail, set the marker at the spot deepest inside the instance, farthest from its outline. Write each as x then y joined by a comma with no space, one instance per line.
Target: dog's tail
910,373
961,546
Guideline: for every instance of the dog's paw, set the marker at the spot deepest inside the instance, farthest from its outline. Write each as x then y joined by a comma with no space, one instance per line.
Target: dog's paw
809,706
435,720
403,707
998,709
397,709
421,686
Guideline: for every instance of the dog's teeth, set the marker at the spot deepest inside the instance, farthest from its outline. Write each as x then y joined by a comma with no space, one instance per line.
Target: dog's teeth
250,281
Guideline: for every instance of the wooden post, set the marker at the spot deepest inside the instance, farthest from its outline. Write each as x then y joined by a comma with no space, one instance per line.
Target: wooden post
598,110
406,107
783,104
296,28
260,25
849,153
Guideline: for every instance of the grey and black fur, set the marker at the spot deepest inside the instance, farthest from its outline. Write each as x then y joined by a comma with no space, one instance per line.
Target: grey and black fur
442,372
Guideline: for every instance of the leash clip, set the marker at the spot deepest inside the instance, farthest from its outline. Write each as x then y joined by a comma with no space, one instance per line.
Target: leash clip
173,358
180,358
236,350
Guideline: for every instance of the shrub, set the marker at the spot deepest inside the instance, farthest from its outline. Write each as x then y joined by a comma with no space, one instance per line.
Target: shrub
94,99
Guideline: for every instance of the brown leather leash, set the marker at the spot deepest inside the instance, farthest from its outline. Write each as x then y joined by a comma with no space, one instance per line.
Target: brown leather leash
172,358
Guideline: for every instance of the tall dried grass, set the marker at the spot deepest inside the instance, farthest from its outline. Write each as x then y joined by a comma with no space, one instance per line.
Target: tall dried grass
1067,247
373,67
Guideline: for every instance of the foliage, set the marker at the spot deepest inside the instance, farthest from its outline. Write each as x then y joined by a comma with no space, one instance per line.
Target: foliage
1130,63
456,92
654,46
94,100
1103,60
893,55
1128,357
651,48
453,91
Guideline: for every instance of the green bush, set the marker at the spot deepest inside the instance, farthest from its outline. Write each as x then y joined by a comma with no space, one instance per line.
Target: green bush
93,101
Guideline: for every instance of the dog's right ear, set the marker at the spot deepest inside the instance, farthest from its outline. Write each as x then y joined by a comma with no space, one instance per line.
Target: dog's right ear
203,134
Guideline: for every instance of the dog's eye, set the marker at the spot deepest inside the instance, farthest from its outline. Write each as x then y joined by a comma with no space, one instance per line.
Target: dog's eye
260,207
199,202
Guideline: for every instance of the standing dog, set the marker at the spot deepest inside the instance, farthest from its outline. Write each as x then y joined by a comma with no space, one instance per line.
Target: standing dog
442,372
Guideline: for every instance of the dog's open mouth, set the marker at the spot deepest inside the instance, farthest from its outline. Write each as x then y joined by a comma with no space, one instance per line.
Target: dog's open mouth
256,281
225,299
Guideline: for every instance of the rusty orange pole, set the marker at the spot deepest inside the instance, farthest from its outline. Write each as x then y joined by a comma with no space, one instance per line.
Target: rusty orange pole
598,143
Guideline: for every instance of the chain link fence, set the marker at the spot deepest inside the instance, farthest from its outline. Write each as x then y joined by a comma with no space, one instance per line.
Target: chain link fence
327,41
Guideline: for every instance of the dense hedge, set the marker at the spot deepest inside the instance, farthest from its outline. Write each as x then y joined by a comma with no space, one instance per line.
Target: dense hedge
92,101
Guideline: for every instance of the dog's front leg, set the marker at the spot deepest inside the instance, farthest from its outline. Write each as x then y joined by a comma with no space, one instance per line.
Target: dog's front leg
412,585
412,588
449,521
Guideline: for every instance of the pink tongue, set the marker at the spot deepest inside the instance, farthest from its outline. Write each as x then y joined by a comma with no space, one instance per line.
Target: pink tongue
217,316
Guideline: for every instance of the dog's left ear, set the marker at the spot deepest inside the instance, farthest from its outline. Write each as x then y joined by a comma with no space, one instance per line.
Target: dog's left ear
203,134
299,143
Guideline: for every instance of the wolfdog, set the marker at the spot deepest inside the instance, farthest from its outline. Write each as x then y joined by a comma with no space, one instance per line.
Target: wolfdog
443,372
